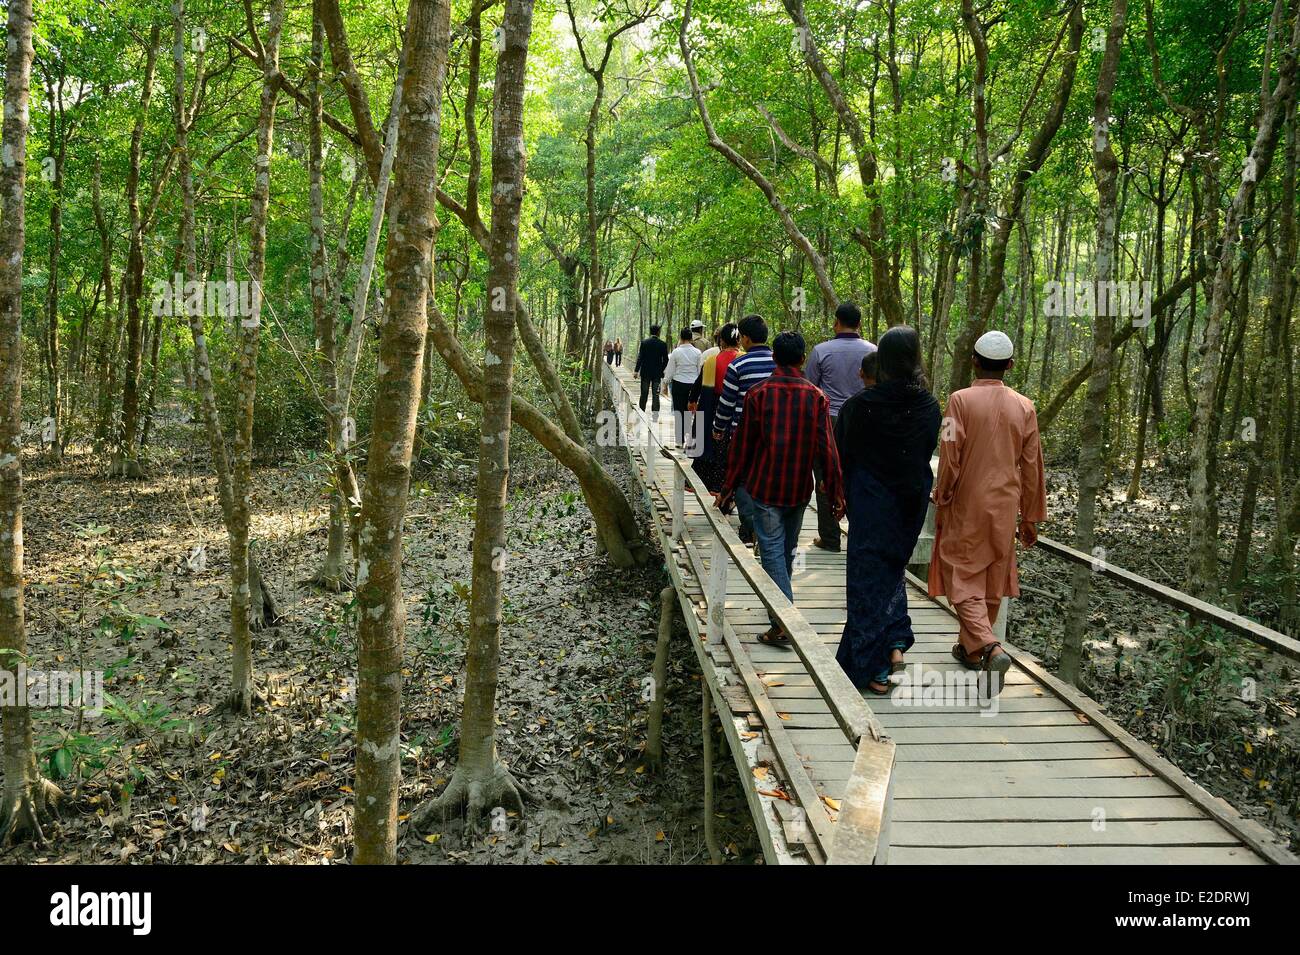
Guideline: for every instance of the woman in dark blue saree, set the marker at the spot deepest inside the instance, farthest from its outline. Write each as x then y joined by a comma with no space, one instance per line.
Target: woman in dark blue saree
886,436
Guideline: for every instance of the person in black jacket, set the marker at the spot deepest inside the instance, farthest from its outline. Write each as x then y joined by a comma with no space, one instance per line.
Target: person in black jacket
886,434
651,360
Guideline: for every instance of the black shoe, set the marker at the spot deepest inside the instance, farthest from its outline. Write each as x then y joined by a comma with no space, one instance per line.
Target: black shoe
746,535
818,542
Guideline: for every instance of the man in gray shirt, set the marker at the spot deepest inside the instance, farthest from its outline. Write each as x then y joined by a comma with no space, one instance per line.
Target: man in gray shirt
833,367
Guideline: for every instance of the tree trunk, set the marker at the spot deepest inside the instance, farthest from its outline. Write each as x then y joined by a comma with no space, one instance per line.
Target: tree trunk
1202,555
53,365
125,462
988,281
884,276
480,781
617,530
263,611
1106,177
333,574
240,700
408,263
751,172
107,337
1281,297
26,798
337,379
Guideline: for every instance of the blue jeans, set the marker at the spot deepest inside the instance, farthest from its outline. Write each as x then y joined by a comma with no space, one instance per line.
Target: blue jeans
777,530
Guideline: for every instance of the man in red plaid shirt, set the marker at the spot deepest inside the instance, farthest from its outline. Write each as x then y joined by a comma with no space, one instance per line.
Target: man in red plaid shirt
785,430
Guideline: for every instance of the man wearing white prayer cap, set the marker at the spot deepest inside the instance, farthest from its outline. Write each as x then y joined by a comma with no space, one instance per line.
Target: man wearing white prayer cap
989,491
995,346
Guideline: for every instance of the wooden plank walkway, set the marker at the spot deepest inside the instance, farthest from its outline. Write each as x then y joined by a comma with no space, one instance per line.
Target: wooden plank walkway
1035,774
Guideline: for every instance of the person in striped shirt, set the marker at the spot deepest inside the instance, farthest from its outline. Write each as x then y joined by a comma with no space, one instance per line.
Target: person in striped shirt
751,368
746,371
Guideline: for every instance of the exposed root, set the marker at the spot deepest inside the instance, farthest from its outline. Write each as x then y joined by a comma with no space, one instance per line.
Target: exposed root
240,702
652,764
263,611
333,581
476,794
24,811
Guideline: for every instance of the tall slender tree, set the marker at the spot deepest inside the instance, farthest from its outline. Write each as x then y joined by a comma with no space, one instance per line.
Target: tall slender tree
986,276
1203,542
249,338
125,460
408,272
27,797
1105,173
480,781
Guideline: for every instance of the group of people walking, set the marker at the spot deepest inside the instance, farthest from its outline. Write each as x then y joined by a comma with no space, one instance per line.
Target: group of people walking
614,352
855,425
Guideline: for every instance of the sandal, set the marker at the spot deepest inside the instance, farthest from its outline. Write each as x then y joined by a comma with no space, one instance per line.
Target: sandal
871,688
985,660
774,637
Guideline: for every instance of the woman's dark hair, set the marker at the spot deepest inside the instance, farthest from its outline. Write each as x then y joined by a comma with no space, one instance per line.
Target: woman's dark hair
898,357
728,335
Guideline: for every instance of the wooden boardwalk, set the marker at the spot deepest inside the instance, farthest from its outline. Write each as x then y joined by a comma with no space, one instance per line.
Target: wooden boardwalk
1035,774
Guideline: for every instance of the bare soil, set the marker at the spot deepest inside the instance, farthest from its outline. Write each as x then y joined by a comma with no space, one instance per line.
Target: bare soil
161,776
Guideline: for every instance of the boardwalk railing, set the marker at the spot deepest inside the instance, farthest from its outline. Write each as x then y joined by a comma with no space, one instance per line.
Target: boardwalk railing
1233,622
861,833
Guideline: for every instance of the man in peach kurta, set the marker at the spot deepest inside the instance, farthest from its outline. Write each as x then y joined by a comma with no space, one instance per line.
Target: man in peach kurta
989,491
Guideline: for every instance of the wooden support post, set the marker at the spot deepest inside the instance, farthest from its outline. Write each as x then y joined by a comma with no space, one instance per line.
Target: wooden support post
1004,616
706,728
625,419
654,747
679,502
715,596
631,424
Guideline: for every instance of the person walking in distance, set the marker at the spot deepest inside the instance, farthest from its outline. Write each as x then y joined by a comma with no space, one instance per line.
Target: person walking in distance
679,376
744,372
990,471
651,360
784,432
618,353
697,336
609,352
835,366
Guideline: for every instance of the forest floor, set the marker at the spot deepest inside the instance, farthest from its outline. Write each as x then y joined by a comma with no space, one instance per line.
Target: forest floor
1234,727
161,776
